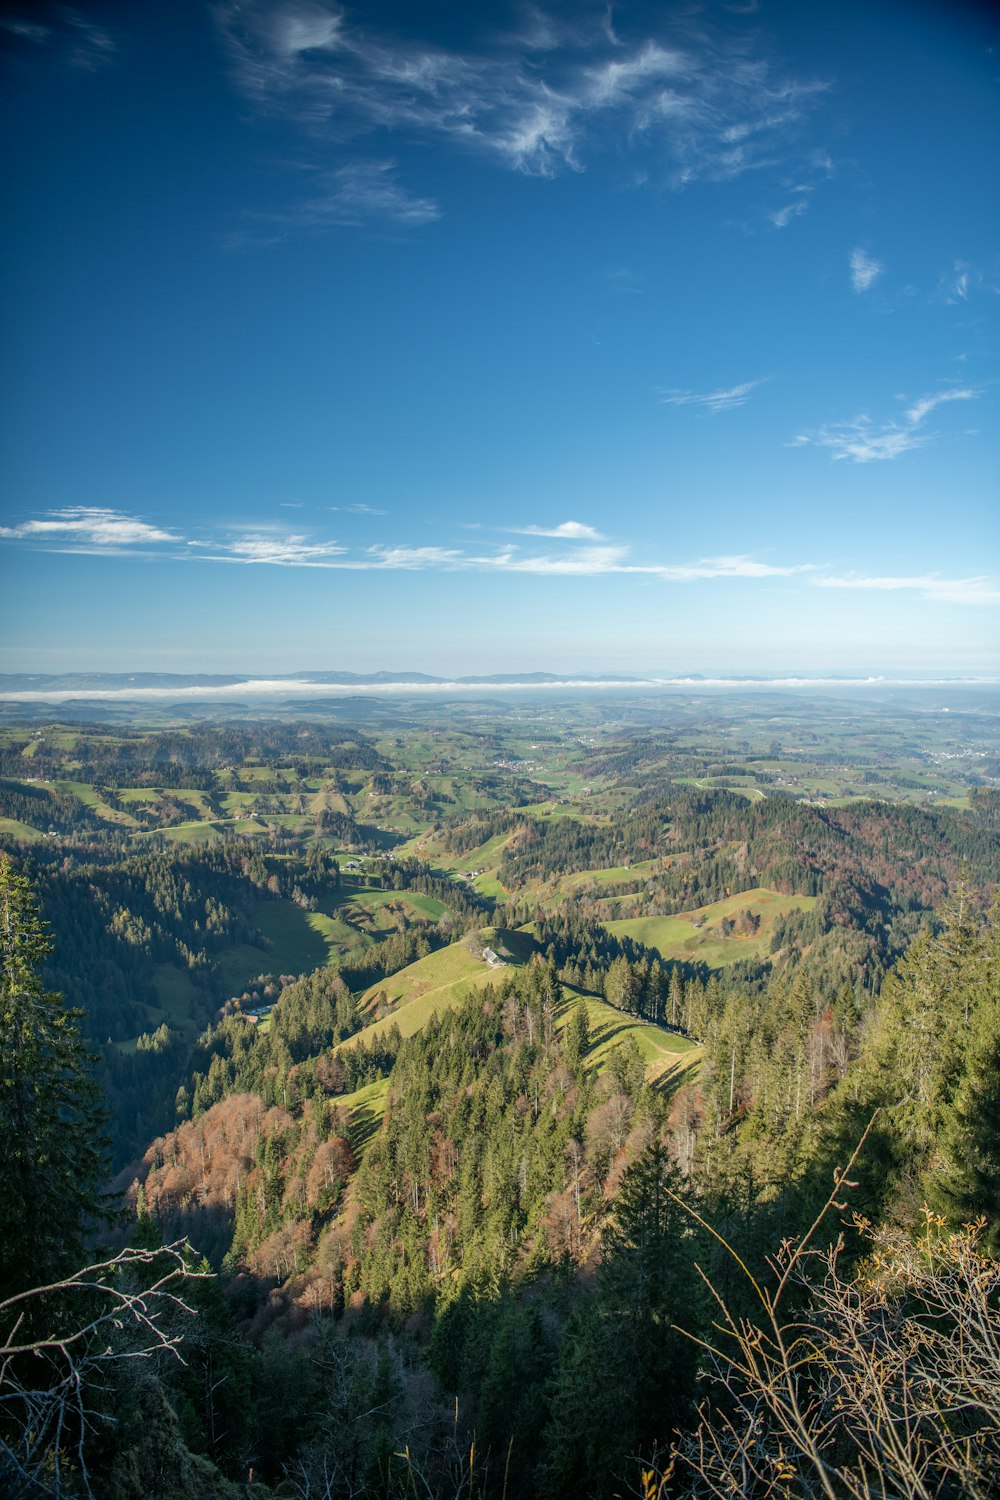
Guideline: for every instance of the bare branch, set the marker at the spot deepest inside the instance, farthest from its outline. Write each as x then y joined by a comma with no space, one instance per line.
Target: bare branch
87,1323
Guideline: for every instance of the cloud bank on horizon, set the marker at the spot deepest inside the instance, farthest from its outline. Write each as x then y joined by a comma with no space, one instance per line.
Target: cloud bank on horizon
254,688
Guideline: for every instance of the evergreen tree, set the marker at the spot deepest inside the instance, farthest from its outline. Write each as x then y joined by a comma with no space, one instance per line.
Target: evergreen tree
51,1112
626,1378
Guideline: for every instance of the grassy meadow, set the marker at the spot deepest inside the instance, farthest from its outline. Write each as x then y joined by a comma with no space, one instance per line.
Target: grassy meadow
696,936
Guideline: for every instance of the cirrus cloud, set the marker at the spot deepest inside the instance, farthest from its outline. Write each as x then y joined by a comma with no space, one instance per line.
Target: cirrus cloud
863,441
865,270
699,104
715,401
977,590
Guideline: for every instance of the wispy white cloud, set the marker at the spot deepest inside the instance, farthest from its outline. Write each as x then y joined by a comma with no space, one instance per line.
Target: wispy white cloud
863,441
359,192
580,551
95,526
962,281
364,190
977,590
540,103
584,552
720,400
402,556
782,217
566,530
731,567
624,279
865,270
262,547
922,408
68,37
25,30
588,561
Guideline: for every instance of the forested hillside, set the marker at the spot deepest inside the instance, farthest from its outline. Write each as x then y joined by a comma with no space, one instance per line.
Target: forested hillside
471,1119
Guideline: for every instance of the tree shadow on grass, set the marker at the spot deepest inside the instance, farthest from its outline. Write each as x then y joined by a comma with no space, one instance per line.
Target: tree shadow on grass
364,1124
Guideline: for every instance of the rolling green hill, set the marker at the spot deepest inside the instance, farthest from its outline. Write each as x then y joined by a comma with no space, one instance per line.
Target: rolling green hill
697,935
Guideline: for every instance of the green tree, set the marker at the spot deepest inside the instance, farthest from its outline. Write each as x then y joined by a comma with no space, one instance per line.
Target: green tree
626,1376
51,1110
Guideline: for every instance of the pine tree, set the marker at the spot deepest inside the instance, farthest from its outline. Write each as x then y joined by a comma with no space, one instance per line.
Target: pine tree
51,1112
626,1376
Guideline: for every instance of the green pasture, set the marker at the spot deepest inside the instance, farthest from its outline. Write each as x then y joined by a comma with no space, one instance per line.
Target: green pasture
615,875
300,942
303,940
445,967
444,980
584,811
13,828
436,983
661,1050
265,775
677,936
196,800
326,799
174,990
712,784
88,795
365,1107
82,790
369,911
433,851
237,802
193,833
567,887
426,906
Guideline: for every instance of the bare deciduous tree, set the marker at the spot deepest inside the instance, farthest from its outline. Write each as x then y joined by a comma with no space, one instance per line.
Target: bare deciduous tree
58,1345
884,1380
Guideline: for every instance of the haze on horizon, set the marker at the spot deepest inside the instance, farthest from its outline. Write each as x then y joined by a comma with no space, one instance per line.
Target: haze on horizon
501,338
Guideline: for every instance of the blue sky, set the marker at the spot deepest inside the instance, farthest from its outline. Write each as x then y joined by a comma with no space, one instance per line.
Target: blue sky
462,338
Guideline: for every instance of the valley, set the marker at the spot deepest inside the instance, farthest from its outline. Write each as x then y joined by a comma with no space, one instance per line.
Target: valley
392,1017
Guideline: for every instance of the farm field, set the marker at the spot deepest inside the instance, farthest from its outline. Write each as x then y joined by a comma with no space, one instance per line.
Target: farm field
679,937
436,982
447,978
662,1051
13,828
174,990
613,875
